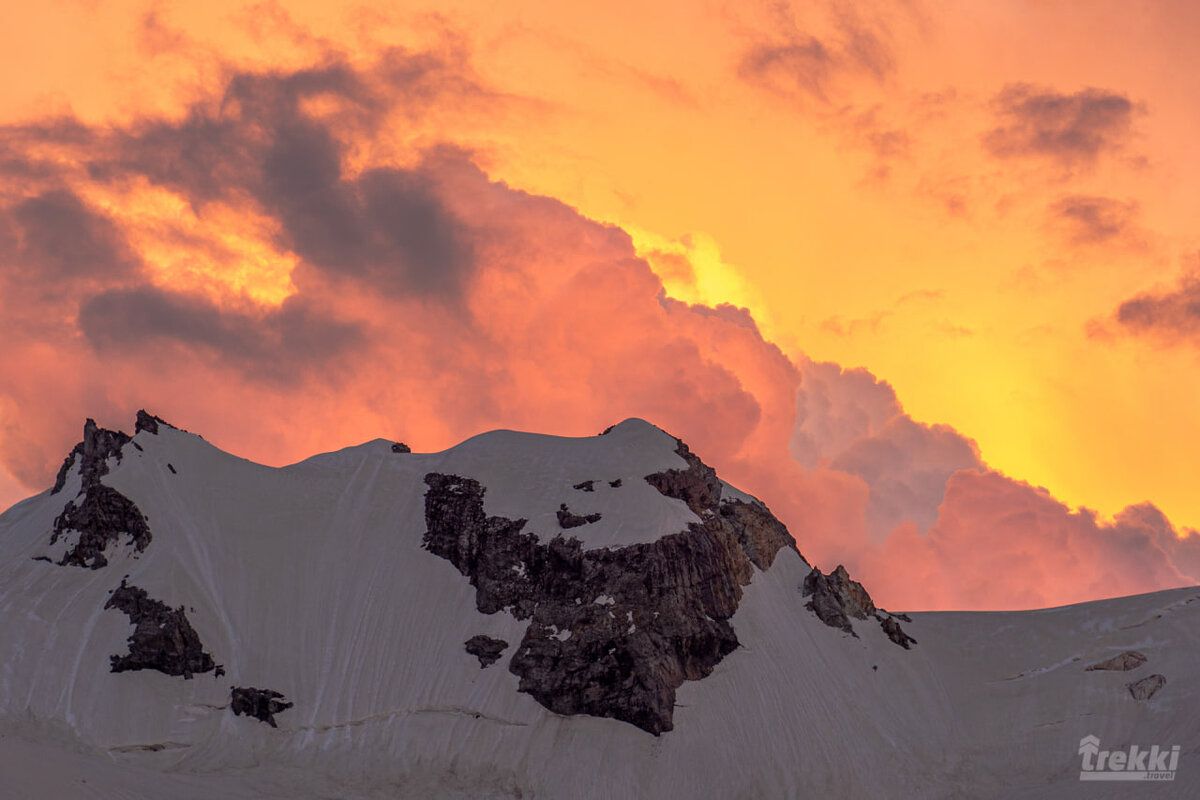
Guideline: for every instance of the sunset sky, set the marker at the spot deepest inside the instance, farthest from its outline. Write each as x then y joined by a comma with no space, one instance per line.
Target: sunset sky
924,277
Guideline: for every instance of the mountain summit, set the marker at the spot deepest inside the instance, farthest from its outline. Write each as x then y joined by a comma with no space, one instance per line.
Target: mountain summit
519,616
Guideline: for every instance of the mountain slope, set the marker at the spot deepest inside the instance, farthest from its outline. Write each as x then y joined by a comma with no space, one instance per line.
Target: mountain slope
331,603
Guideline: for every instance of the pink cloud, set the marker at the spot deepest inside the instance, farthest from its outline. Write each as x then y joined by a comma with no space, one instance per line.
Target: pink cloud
433,303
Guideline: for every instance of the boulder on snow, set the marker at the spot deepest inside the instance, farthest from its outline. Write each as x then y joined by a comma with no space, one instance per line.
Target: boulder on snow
486,649
568,519
1146,687
1130,659
262,704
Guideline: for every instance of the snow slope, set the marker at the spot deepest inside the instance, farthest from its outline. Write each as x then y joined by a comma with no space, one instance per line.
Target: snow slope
311,580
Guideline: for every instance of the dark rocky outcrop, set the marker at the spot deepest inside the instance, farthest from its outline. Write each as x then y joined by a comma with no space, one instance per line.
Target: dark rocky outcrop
698,485
1146,687
162,639
894,632
400,447
585,486
486,649
1130,659
612,632
615,484
262,704
146,422
760,534
100,518
98,445
566,519
149,422
104,514
836,598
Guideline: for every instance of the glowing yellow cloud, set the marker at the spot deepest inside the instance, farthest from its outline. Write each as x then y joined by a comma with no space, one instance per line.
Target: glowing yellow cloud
219,251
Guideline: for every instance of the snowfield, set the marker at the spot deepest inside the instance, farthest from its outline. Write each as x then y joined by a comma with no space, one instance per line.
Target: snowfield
311,580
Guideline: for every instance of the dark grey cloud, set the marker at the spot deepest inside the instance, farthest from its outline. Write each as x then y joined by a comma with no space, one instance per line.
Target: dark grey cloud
386,226
204,157
1070,129
218,148
794,62
1171,315
1089,220
280,345
255,144
54,237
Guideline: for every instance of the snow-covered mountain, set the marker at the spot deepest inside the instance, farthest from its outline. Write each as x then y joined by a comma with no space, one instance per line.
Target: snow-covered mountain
528,616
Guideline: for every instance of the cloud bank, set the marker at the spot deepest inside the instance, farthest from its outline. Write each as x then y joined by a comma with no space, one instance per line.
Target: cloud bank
426,301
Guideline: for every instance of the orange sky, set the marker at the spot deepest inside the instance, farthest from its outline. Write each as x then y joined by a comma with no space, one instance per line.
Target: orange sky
960,198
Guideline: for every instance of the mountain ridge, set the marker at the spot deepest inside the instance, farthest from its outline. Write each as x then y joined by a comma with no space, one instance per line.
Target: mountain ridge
351,633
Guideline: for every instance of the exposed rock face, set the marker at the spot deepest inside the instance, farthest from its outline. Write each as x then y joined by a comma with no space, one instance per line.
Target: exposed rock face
400,447
101,518
162,639
150,423
836,598
1130,659
759,533
615,484
146,422
585,486
104,514
486,649
262,704
612,632
568,520
698,485
98,445
1146,687
894,632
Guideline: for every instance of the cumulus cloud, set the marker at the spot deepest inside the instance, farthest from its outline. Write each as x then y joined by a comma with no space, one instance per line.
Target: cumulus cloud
429,302
990,525
1071,130
835,408
849,421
